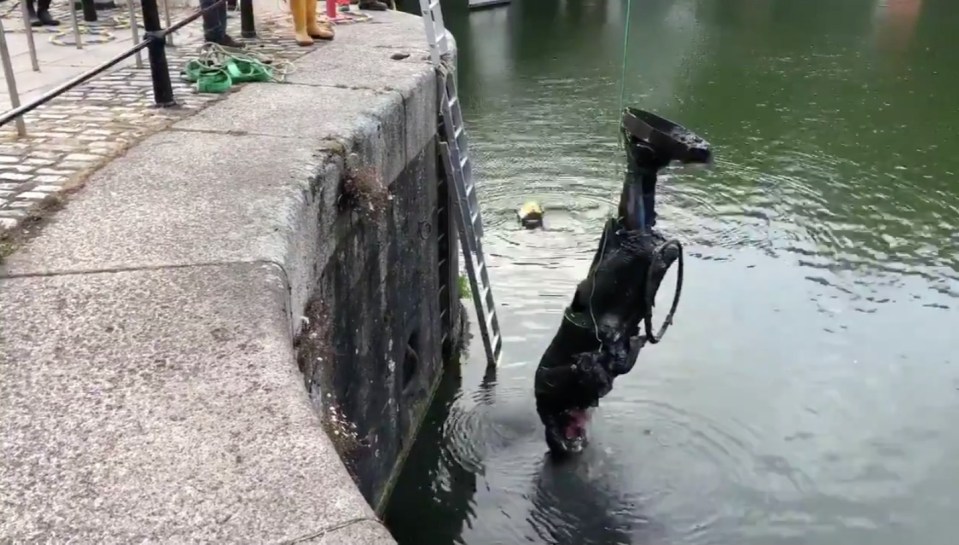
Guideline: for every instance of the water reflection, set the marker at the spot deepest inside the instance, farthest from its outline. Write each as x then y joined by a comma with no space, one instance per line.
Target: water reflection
577,503
896,23
446,489
485,43
435,496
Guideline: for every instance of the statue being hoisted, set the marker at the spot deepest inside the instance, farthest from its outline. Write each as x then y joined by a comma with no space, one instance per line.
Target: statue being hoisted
599,337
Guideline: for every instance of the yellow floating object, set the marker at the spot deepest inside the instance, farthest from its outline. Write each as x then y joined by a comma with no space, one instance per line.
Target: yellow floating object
531,215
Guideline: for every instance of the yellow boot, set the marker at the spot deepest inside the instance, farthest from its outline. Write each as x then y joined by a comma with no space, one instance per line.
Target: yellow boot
298,10
319,29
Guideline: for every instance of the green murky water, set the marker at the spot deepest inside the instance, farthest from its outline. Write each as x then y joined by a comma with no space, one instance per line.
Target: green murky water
809,389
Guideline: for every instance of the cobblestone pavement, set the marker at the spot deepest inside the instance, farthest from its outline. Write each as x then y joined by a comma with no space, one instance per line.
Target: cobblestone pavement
73,135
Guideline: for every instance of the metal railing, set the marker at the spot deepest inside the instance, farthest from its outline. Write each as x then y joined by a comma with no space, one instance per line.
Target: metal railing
155,40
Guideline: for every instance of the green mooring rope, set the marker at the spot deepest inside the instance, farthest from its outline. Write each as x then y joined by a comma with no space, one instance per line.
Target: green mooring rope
216,68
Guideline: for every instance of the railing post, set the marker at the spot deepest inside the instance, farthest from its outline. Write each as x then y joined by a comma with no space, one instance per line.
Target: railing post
166,15
11,80
28,29
135,30
159,70
76,26
247,25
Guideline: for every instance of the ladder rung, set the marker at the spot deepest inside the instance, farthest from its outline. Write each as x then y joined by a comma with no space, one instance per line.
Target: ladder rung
434,4
463,160
484,277
453,101
458,131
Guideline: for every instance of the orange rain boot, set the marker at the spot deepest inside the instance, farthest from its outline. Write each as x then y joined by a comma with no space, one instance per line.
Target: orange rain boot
321,30
298,10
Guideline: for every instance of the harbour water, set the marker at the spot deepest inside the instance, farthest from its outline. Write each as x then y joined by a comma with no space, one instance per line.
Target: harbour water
807,391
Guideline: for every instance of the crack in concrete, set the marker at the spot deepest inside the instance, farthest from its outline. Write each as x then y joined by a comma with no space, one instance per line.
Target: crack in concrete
110,270
335,527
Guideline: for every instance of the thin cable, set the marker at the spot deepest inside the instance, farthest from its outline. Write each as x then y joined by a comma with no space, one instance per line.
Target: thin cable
622,77
622,102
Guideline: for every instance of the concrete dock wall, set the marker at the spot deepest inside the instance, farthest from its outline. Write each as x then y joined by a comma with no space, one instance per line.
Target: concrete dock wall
190,344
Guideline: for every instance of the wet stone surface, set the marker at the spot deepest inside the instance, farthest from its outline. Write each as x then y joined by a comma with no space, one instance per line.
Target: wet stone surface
78,132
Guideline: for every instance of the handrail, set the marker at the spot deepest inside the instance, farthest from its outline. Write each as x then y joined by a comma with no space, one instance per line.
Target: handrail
154,41
70,84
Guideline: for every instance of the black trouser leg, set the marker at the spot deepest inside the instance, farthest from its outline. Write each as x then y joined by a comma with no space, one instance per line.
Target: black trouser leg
214,21
89,10
32,12
43,13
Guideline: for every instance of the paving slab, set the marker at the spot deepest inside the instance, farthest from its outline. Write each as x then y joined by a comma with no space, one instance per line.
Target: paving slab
211,211
162,405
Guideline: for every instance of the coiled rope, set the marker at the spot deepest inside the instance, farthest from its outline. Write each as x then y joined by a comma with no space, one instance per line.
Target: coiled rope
216,68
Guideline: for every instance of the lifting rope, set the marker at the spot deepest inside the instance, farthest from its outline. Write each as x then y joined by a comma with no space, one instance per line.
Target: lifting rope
622,77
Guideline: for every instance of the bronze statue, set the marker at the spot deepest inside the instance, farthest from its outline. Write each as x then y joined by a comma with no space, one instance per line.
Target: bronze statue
599,337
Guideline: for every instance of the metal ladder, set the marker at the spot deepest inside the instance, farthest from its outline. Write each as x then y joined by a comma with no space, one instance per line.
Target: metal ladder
459,169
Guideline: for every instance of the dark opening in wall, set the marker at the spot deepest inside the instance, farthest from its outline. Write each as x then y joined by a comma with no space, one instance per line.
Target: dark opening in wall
411,362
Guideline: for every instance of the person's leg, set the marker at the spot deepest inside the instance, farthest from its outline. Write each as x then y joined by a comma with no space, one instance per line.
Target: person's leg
298,11
214,25
43,13
213,30
373,5
32,12
228,40
321,30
